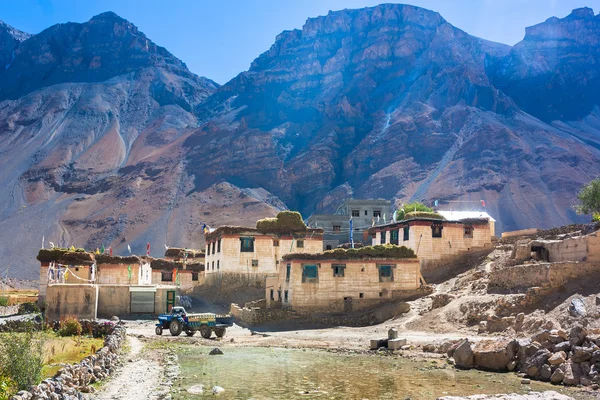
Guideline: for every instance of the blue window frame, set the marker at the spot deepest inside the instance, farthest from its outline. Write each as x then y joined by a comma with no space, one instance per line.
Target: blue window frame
310,273
288,271
247,245
386,273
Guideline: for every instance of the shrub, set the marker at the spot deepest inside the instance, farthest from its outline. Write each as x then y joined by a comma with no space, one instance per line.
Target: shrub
3,301
411,208
422,214
21,359
285,222
589,198
28,308
596,217
378,251
70,326
7,387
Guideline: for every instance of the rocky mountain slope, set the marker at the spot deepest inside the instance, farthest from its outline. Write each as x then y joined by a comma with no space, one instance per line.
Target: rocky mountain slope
394,102
107,138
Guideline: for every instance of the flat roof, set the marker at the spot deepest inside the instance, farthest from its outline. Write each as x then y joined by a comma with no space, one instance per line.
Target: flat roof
459,215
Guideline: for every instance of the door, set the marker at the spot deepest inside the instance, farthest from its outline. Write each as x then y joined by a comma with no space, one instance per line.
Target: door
170,300
142,302
347,304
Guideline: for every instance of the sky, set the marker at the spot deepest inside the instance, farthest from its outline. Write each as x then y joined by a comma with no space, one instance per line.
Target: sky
220,38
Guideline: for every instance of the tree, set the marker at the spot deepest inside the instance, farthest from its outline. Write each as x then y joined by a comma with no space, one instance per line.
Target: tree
589,198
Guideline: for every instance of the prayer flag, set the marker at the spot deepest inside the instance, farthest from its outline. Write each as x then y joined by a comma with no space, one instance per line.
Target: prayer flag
129,272
129,248
97,251
373,222
204,229
395,214
351,233
110,251
482,203
72,248
43,237
436,203
174,274
148,248
102,249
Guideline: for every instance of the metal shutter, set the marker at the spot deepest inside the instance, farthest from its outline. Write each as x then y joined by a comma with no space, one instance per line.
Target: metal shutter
142,302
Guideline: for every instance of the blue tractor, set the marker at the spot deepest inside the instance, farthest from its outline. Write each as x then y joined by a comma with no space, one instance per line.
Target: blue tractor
180,321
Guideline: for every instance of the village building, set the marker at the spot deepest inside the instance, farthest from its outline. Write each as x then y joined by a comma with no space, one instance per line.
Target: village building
364,214
89,285
334,282
437,241
246,251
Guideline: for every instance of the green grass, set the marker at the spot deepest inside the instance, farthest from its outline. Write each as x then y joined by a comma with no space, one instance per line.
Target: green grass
67,350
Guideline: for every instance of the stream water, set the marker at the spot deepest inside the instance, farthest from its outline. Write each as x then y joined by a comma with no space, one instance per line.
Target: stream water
273,373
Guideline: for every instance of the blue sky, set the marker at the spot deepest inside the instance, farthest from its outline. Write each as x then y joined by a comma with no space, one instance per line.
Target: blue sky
220,38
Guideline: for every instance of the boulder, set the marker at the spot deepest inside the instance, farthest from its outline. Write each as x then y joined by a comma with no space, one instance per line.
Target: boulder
546,372
527,349
562,346
572,374
577,335
577,308
463,355
580,354
557,358
494,354
533,365
559,374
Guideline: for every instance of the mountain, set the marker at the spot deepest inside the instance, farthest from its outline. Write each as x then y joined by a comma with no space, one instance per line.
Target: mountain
394,102
91,130
108,139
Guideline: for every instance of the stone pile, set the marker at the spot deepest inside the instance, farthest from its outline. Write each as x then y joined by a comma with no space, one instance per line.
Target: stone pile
552,355
72,382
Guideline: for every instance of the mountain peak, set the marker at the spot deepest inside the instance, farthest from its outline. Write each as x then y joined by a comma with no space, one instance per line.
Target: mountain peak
107,15
582,13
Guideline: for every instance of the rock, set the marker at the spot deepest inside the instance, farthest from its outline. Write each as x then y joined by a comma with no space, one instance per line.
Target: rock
114,318
196,389
217,390
557,358
429,348
533,366
494,354
511,365
577,335
527,349
572,374
216,351
559,374
525,381
562,346
546,372
483,327
577,308
579,354
598,300
463,355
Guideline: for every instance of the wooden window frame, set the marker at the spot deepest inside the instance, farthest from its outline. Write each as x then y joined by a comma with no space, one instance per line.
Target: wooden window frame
249,249
386,277
310,279
338,267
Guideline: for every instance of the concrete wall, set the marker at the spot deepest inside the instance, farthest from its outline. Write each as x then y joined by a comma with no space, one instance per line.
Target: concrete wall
231,260
113,300
327,293
64,300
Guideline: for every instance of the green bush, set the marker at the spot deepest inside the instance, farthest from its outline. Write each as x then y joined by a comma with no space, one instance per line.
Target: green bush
21,359
7,388
589,198
285,222
28,308
3,301
70,326
411,208
596,217
378,251
422,214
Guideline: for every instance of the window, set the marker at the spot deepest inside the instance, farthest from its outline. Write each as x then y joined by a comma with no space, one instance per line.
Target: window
377,213
288,270
328,247
436,230
337,228
300,244
272,295
285,294
247,245
356,213
279,295
338,269
219,246
195,276
275,242
394,236
468,231
166,276
382,241
386,273
217,264
361,295
208,249
213,265
366,213
380,294
406,233
213,246
310,273
255,263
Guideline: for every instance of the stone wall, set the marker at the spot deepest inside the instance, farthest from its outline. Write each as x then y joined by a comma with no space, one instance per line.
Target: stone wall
541,274
359,287
71,381
71,300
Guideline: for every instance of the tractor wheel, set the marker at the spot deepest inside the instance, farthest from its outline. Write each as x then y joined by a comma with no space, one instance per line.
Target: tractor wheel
190,333
205,331
175,328
158,330
220,332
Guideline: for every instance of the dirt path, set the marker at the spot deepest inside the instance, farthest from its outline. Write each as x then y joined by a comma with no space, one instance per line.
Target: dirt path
138,379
